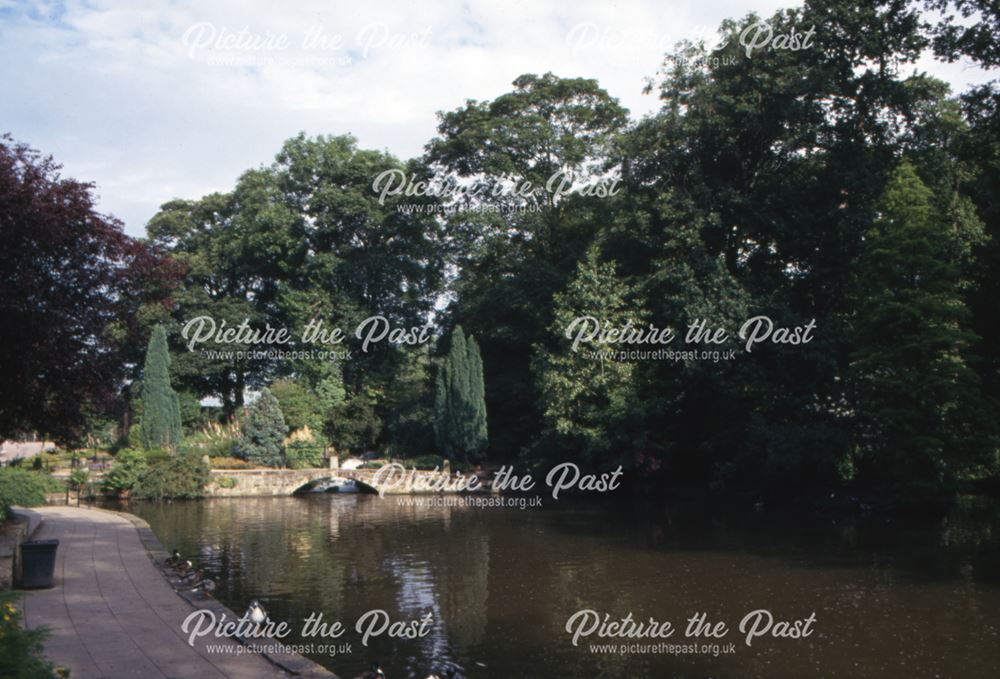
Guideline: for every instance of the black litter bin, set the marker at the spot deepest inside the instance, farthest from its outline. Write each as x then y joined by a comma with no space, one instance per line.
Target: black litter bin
38,562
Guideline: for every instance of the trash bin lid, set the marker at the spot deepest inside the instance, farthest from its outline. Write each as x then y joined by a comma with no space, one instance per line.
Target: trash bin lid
36,544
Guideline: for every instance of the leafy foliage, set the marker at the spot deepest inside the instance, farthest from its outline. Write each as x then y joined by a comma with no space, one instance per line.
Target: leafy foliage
300,405
831,184
262,432
24,488
304,449
182,476
21,651
214,440
586,395
72,288
917,397
129,466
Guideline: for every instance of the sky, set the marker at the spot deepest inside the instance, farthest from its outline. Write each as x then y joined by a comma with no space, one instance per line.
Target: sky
155,101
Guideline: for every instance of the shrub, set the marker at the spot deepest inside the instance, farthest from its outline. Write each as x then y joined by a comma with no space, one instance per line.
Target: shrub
78,478
214,439
225,482
21,649
134,436
25,488
129,466
157,455
230,463
180,476
303,449
262,431
428,461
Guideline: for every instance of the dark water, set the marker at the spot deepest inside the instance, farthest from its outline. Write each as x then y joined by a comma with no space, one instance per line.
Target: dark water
891,598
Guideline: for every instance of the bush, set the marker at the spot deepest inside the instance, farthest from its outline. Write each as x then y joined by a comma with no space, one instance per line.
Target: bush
20,649
225,482
129,466
230,463
214,440
428,461
157,455
25,488
262,432
78,478
180,477
134,436
303,449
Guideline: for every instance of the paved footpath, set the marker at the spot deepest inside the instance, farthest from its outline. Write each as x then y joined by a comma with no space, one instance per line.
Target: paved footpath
112,613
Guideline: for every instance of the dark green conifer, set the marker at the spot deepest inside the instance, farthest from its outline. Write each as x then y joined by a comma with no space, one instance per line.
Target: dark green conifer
161,412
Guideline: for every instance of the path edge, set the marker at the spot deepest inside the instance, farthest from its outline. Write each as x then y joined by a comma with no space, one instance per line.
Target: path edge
292,663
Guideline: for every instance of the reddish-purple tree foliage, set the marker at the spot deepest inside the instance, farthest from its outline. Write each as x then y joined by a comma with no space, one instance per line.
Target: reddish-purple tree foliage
71,284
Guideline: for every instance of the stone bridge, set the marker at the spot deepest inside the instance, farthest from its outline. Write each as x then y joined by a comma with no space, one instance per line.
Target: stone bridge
274,482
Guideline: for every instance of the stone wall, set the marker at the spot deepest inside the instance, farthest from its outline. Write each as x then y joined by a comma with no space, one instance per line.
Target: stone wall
13,532
260,482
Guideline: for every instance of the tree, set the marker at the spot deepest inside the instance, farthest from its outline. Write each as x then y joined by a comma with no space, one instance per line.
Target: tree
354,424
409,406
587,395
303,240
978,39
478,427
220,282
459,403
161,411
299,404
772,164
511,260
917,399
262,431
72,286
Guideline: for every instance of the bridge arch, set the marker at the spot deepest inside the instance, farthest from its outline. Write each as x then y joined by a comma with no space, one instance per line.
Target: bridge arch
311,485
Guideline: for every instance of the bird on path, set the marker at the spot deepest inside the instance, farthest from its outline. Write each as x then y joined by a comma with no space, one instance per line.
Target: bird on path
374,673
256,613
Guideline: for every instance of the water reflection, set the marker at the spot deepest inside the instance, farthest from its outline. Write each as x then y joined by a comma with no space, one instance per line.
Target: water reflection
892,598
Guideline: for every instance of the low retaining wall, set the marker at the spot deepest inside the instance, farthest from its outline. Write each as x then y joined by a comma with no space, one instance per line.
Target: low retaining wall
19,528
261,482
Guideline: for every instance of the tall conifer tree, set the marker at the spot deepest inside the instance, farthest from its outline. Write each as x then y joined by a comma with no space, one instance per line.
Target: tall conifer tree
478,433
917,397
460,405
161,411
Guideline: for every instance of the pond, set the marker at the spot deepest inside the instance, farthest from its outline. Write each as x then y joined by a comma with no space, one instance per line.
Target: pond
891,597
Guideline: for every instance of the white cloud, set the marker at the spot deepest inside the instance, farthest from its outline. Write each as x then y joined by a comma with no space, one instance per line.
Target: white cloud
112,90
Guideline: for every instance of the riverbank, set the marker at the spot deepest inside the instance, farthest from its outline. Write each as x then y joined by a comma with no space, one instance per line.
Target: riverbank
113,613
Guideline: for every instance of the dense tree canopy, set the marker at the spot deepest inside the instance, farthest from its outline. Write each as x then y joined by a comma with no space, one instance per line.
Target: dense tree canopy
833,185
73,291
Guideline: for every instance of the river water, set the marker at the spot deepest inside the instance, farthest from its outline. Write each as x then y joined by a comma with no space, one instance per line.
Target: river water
891,597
